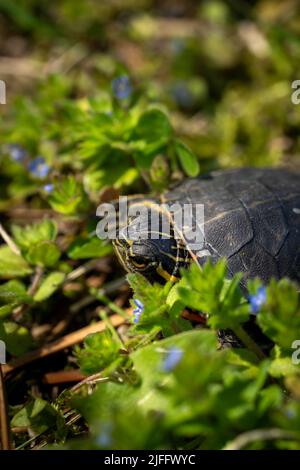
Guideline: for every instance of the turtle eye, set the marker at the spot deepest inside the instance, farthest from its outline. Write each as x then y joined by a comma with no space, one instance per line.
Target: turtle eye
138,262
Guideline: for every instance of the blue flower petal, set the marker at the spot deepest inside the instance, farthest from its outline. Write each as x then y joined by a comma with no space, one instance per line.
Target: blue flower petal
258,300
104,438
182,95
121,87
39,168
48,188
137,312
17,153
173,357
136,315
290,413
136,318
139,304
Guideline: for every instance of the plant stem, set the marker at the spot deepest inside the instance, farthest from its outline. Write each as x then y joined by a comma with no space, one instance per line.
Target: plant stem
111,328
20,311
248,341
120,311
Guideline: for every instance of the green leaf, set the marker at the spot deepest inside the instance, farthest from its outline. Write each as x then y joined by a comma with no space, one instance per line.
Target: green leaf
98,352
174,302
187,158
208,290
270,397
30,235
150,137
283,367
69,197
117,171
49,285
45,254
93,248
39,415
154,399
5,311
279,318
16,338
153,297
153,126
148,361
162,306
159,173
12,265
37,242
13,292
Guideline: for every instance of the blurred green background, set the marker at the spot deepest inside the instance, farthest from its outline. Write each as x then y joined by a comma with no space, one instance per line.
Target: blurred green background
223,68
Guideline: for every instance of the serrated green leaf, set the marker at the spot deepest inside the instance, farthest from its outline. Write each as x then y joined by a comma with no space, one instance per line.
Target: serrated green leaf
98,352
209,291
69,197
30,235
45,254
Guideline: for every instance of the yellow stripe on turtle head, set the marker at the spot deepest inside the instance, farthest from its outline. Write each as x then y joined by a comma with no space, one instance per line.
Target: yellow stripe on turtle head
165,275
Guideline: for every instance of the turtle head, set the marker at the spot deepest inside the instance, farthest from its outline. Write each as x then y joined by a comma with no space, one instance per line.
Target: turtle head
150,249
156,259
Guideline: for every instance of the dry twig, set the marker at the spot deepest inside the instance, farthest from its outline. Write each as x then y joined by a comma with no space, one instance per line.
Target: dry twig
65,342
4,419
63,376
9,241
249,437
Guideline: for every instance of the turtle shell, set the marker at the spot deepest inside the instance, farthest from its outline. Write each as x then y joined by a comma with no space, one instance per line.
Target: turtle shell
251,217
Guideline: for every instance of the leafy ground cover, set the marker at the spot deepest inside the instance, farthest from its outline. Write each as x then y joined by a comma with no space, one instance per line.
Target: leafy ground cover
110,98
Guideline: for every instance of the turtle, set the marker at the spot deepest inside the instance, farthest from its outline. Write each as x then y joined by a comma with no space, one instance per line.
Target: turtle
251,218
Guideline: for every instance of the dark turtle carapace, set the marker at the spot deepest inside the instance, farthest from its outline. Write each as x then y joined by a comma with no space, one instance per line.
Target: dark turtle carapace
251,218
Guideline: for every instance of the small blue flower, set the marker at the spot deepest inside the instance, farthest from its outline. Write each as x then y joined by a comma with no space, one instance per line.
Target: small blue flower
172,358
39,168
290,413
138,303
177,45
17,153
182,95
104,438
137,312
121,87
258,300
48,188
